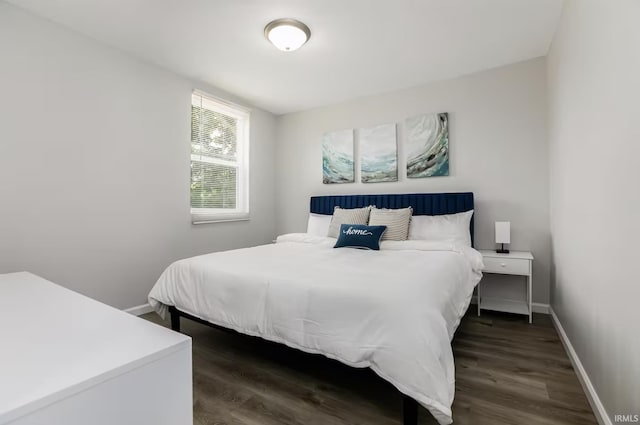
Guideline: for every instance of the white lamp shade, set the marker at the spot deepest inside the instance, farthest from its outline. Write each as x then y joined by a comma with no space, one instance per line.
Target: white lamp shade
503,232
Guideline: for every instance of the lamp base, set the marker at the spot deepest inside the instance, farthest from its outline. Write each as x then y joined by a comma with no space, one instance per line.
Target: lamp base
501,250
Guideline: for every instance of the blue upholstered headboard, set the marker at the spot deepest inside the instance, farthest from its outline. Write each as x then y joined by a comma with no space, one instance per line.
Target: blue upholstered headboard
422,203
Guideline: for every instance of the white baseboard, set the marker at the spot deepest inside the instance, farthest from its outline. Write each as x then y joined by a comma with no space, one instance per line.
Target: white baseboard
596,405
540,308
139,310
536,307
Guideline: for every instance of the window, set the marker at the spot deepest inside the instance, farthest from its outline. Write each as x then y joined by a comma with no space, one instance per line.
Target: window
219,160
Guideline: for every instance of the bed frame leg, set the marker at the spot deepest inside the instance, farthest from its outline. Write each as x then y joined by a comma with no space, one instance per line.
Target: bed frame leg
409,411
175,319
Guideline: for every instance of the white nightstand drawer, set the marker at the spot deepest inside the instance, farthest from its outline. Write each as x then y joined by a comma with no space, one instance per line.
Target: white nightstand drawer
506,265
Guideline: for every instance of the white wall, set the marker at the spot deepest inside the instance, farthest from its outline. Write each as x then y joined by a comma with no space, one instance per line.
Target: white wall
594,103
498,150
94,165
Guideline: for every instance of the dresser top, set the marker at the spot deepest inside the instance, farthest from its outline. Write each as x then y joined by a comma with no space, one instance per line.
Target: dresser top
523,255
56,343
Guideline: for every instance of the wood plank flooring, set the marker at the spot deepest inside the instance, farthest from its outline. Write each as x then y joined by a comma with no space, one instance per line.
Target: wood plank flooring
507,372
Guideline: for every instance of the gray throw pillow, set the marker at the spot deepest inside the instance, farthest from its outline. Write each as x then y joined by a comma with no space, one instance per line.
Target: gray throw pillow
347,216
396,220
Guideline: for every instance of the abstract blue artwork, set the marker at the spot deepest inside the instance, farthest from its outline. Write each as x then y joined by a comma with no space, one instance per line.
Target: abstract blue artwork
379,154
337,157
427,145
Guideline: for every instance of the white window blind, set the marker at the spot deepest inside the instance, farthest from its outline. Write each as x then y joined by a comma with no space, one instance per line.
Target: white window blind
219,160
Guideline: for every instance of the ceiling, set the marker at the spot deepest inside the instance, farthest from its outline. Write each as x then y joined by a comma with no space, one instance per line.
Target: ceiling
357,47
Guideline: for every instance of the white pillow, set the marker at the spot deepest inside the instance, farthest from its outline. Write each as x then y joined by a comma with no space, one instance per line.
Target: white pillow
448,227
318,224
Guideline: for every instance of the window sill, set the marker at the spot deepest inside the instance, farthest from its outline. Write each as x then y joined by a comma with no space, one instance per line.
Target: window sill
218,218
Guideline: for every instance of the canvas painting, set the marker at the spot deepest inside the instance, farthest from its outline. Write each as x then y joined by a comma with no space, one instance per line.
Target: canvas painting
379,154
337,157
427,145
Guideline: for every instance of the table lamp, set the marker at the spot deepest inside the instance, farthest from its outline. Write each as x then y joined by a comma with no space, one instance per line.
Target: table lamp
503,235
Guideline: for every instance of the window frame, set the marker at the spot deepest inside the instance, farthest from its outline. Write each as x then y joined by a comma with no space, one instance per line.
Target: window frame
243,140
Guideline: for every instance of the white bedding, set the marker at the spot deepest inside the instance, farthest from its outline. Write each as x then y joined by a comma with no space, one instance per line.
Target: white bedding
394,310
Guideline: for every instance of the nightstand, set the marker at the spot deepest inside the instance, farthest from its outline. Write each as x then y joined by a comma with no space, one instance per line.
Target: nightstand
516,263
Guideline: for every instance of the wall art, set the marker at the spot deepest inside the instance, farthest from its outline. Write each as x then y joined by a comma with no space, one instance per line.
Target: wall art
427,145
378,154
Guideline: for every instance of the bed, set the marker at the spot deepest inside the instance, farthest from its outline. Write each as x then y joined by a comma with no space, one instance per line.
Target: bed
394,310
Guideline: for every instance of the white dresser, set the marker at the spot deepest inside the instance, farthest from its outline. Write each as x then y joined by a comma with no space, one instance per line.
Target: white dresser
66,359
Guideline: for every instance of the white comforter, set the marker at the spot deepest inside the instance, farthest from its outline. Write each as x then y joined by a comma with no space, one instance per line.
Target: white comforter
393,310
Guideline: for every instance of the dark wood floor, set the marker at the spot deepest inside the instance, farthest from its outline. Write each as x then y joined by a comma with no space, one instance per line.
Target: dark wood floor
507,372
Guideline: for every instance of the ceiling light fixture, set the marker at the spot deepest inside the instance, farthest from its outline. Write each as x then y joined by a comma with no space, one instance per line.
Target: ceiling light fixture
287,34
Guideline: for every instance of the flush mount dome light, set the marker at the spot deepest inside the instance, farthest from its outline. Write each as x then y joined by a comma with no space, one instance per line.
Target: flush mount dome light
287,34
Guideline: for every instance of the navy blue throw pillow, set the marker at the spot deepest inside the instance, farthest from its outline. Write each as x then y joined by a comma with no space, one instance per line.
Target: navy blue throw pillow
360,236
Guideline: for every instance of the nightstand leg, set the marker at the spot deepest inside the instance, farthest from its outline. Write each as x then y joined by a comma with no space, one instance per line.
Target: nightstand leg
478,298
530,285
